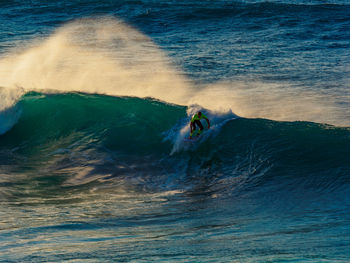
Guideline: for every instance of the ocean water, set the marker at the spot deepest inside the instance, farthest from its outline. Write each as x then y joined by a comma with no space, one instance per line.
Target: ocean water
95,101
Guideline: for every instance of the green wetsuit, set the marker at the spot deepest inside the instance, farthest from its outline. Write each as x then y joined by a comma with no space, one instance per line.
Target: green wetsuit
196,121
195,117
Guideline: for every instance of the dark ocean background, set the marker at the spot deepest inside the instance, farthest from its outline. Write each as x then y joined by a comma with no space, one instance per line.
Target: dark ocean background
95,101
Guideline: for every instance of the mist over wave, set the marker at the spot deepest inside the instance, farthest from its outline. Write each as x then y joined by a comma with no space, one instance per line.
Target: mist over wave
106,56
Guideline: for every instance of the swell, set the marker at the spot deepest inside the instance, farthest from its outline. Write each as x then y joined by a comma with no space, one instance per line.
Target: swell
64,142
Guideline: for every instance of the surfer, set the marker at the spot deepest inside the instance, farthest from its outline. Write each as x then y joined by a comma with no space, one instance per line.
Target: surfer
196,121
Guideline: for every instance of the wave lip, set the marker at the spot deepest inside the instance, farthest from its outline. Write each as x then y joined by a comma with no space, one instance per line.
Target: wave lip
10,111
8,118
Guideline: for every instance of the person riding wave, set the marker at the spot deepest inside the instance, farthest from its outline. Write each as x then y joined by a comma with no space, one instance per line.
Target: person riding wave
196,121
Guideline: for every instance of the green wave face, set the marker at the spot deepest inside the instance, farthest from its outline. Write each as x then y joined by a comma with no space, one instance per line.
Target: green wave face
117,123
72,140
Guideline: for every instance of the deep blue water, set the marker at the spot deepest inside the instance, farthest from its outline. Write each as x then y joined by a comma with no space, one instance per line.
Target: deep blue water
96,97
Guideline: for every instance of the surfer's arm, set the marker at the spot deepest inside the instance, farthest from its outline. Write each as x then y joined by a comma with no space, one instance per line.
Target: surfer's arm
208,122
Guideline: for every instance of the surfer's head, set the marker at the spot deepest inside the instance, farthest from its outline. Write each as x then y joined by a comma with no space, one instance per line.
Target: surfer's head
199,113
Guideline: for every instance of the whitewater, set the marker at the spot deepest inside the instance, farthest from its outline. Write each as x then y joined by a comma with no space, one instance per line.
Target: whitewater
96,100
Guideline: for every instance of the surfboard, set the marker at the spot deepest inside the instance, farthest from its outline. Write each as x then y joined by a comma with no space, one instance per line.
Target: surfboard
194,137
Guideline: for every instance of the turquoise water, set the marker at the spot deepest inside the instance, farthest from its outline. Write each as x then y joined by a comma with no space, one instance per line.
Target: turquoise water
96,98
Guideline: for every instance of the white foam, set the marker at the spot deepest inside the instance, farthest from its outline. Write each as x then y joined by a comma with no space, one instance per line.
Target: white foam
217,121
